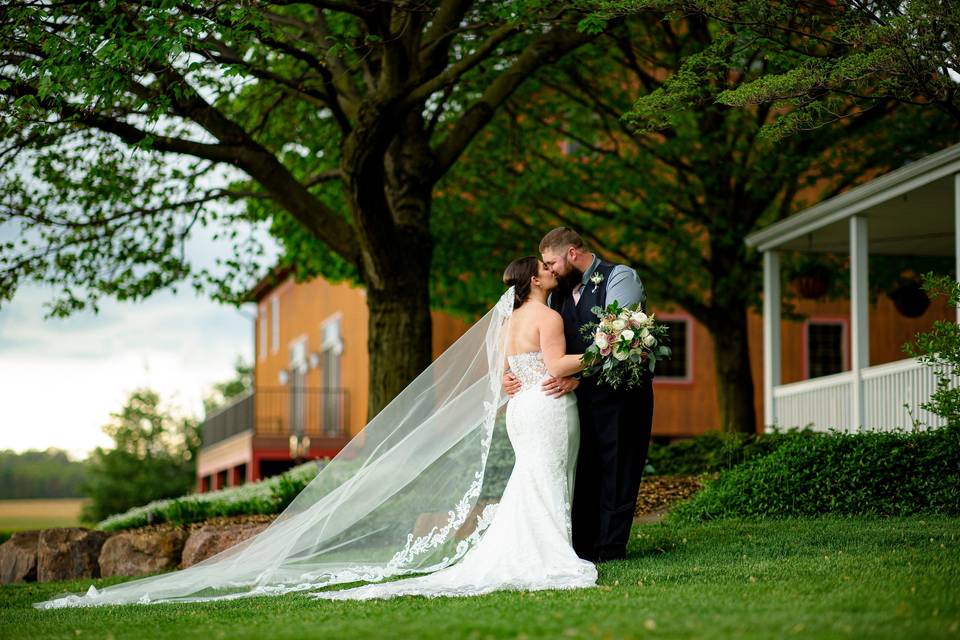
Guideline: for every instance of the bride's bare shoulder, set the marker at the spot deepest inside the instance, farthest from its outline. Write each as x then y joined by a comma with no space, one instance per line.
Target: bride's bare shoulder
543,311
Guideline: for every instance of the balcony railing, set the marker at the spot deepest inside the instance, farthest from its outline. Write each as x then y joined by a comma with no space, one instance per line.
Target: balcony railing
312,411
232,419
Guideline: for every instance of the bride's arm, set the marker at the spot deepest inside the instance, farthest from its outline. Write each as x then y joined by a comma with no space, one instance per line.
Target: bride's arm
553,345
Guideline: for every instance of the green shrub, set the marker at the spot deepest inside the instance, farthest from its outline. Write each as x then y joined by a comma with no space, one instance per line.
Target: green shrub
5,535
264,497
939,349
871,473
715,451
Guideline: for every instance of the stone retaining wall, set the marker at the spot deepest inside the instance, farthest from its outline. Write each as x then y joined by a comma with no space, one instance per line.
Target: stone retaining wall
74,553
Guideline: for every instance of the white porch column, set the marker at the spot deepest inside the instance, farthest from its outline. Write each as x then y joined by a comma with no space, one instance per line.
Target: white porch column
859,317
771,334
956,228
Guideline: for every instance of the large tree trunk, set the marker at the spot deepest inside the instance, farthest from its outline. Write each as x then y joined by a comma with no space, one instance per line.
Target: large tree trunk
400,335
387,175
734,377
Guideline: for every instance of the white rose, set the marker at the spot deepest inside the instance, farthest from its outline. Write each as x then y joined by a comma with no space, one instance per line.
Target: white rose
601,341
644,332
649,340
620,354
619,325
639,317
627,335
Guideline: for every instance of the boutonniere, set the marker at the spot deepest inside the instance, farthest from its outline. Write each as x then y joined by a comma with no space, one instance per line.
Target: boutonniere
596,279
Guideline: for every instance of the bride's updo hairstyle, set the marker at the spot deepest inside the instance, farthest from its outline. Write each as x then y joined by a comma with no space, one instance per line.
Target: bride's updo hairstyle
518,275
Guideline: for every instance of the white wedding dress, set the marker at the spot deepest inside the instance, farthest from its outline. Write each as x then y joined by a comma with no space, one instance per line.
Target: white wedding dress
527,545
426,455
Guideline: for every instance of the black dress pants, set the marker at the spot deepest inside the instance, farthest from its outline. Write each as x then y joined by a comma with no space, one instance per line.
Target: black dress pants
614,439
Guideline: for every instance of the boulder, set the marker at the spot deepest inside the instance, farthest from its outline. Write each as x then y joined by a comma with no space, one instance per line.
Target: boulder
208,540
69,553
18,557
135,553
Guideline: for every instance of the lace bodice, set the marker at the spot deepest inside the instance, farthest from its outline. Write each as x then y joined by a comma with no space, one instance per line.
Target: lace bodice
528,367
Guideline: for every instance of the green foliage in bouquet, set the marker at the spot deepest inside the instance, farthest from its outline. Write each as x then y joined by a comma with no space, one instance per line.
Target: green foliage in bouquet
626,343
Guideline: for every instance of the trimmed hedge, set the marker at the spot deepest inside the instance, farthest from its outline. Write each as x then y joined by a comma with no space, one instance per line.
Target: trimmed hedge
267,496
716,451
871,473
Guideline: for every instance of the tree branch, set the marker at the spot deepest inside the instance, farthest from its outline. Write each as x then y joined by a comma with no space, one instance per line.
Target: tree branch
549,46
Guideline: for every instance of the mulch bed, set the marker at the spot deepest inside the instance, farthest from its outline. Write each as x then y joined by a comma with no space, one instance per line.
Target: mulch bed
659,493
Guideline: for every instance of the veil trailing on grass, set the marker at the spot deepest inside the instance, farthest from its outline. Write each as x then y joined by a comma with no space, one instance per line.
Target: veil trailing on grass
411,493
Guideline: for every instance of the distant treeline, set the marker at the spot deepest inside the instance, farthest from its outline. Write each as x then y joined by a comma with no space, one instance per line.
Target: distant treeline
40,474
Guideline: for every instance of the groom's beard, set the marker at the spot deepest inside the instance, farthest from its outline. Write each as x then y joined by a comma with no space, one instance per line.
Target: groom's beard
567,283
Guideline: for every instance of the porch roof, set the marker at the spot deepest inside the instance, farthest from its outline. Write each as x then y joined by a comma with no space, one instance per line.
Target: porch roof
910,210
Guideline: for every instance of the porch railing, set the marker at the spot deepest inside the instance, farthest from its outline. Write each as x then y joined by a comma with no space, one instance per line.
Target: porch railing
892,392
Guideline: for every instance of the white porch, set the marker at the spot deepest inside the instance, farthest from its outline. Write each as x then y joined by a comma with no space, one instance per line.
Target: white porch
913,210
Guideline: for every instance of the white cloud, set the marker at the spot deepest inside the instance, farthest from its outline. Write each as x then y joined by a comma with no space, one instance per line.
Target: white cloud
61,378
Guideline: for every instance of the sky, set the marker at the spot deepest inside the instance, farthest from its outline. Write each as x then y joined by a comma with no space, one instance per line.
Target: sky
61,378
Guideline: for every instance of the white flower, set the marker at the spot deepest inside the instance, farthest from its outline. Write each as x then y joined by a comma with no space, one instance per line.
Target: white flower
596,279
644,332
601,340
627,335
619,325
620,354
639,317
649,340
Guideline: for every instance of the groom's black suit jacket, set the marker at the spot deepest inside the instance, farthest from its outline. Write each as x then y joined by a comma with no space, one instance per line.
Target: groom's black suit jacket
615,430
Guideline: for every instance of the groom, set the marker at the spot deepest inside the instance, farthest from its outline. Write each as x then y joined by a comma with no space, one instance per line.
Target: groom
614,424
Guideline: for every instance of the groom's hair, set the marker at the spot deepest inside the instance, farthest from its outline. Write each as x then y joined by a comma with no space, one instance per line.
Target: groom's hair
561,238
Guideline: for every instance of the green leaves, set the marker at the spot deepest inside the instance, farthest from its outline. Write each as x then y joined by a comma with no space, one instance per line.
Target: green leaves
871,473
817,57
939,348
152,457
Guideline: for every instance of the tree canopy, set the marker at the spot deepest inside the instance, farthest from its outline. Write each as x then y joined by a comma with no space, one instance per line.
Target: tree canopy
839,53
333,120
628,143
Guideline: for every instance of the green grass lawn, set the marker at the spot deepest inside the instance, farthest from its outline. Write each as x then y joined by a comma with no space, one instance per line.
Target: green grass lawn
830,577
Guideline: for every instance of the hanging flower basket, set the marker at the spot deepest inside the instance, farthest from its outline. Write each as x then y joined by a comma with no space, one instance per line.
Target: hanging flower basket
809,286
910,299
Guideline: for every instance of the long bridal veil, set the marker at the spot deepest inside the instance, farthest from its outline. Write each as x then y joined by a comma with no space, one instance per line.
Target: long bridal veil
411,493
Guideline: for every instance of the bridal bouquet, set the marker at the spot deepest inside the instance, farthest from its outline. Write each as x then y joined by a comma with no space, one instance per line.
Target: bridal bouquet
625,342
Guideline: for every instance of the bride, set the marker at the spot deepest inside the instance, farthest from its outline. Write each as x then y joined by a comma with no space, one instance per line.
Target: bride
430,456
528,544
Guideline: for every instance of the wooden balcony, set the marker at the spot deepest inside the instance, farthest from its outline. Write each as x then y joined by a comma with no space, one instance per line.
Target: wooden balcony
281,411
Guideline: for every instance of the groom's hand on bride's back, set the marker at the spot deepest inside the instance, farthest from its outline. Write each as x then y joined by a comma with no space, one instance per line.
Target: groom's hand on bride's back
511,384
556,387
